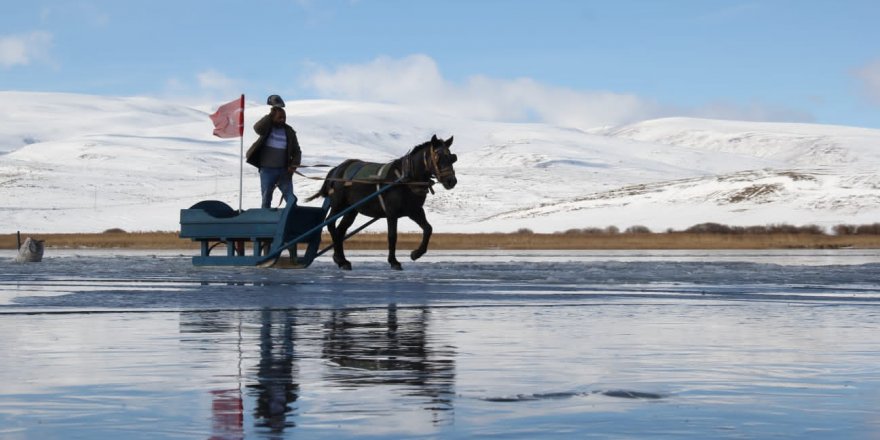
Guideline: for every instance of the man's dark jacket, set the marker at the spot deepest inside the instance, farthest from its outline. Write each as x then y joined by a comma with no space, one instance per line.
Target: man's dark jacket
263,127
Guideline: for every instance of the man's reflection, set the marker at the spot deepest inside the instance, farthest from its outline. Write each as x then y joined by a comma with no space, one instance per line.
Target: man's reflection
276,389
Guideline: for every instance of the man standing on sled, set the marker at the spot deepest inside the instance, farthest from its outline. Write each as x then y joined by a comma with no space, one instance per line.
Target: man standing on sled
276,153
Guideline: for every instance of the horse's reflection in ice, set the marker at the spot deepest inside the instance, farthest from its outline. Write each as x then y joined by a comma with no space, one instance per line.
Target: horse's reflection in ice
370,349
360,348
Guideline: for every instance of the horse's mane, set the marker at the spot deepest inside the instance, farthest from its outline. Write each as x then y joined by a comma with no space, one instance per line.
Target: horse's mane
418,148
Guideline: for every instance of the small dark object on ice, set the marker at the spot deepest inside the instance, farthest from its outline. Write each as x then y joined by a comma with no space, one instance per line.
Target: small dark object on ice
31,251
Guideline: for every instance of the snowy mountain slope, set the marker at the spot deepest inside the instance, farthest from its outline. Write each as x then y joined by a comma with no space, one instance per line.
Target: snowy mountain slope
32,117
77,163
795,144
755,197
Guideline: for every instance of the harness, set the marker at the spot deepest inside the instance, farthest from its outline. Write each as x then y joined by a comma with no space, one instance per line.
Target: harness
367,172
354,171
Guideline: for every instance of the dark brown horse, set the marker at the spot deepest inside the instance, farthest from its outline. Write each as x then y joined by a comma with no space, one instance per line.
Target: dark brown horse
414,174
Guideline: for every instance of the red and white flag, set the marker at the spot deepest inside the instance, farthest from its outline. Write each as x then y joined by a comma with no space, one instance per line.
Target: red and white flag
229,119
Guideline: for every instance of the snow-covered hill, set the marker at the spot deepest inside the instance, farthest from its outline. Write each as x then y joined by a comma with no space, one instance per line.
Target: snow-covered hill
79,163
804,145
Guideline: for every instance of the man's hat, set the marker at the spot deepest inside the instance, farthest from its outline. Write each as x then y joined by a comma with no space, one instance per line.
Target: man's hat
275,101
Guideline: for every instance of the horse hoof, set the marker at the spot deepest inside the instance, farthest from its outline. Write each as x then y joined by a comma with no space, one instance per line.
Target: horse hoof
415,255
396,266
345,266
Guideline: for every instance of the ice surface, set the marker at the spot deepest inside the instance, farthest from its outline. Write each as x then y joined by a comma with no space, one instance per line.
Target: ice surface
96,280
782,344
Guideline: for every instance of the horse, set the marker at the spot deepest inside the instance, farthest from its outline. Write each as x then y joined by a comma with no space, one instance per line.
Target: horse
412,176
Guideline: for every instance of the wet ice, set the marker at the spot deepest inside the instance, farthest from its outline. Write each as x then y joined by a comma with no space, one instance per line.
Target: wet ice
550,344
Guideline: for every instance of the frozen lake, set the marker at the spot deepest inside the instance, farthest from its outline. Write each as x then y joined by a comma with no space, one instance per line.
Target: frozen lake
505,344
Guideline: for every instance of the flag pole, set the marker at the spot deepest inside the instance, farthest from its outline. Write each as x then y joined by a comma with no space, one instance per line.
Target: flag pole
241,153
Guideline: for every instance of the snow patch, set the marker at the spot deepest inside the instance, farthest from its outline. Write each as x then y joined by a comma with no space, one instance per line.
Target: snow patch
80,163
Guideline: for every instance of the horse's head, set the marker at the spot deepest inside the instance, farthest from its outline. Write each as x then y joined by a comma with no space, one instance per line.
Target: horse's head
439,161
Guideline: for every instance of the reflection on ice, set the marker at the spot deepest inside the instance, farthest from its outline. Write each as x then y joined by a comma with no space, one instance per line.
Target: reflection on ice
276,388
286,353
461,345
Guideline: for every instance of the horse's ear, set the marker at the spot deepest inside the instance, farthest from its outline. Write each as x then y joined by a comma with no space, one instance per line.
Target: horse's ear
434,138
448,142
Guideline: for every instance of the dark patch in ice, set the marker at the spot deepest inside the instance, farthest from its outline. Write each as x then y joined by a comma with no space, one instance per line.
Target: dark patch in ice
627,394
529,397
624,394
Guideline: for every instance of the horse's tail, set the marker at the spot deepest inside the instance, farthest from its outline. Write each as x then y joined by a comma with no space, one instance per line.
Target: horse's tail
325,188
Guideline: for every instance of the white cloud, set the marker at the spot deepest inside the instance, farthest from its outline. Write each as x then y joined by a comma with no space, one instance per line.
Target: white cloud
81,13
214,80
25,49
869,77
206,87
416,81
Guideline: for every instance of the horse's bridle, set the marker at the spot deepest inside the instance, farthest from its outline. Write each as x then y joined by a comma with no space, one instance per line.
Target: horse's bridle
435,166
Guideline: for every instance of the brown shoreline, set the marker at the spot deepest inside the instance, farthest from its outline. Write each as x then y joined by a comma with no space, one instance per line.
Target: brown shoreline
512,241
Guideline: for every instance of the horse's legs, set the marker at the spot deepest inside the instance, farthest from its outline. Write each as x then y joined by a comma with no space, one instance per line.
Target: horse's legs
337,242
331,229
338,248
422,221
392,243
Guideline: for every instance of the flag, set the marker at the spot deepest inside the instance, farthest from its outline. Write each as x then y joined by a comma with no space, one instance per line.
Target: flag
229,119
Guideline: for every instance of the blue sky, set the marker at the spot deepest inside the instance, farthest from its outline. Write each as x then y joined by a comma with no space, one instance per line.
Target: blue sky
581,63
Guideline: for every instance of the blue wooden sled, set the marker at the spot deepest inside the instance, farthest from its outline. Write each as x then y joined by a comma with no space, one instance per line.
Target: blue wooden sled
258,237
252,234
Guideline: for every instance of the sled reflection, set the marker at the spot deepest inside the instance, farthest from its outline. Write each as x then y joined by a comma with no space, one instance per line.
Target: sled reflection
388,348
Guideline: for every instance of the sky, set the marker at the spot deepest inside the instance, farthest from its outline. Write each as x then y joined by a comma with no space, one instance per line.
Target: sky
572,63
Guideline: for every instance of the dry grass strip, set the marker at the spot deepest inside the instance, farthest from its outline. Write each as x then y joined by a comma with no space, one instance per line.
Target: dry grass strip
513,241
